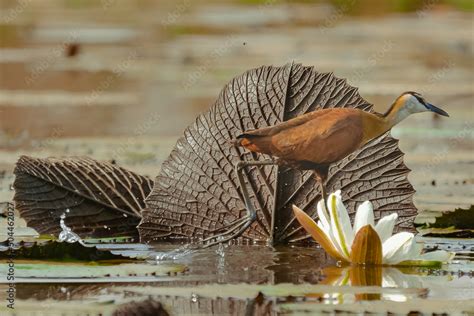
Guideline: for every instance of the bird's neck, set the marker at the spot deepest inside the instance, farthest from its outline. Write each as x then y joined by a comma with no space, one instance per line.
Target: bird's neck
376,125
395,114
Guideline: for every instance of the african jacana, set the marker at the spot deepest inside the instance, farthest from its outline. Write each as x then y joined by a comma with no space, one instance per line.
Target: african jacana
315,140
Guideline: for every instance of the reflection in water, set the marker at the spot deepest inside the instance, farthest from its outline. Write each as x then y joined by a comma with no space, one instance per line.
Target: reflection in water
376,276
366,276
229,278
353,276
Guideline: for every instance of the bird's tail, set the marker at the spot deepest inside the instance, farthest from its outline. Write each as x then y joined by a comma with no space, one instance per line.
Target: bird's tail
250,142
241,140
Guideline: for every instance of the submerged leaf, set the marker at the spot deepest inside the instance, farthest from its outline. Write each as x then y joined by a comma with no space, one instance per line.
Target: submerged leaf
103,199
197,194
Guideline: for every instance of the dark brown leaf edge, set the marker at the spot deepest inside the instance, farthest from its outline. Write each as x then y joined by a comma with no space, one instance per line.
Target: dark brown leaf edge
103,200
196,192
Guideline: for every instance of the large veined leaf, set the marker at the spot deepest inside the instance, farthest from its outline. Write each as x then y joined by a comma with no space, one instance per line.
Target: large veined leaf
196,193
103,199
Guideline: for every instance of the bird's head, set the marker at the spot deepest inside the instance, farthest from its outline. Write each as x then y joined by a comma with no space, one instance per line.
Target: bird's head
413,102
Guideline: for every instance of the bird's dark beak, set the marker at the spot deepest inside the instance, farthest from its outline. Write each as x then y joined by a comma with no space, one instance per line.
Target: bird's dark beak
437,110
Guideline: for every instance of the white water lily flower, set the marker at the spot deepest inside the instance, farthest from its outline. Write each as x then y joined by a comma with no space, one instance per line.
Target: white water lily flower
365,242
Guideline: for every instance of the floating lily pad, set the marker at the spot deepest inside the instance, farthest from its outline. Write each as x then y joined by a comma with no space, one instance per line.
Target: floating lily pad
457,223
249,291
63,251
76,271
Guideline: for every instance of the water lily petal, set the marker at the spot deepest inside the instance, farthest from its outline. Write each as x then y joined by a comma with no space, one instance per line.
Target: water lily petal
325,225
416,250
340,223
366,248
396,248
412,250
385,226
317,233
323,215
364,216
438,255
329,233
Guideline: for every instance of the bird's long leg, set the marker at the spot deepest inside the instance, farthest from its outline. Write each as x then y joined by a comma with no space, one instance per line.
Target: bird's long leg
242,223
321,179
323,190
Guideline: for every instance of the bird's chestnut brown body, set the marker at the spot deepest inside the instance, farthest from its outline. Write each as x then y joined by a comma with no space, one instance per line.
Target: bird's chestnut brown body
316,139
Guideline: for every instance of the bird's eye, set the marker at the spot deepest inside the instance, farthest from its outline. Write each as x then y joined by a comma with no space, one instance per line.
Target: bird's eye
420,99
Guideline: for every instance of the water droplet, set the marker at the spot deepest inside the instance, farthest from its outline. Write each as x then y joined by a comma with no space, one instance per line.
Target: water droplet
105,226
194,298
173,254
125,215
67,234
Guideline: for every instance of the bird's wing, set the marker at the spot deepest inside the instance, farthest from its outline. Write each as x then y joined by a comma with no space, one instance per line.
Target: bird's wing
324,139
275,129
